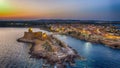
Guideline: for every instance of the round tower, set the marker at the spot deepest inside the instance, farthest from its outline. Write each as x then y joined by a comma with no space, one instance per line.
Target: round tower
30,30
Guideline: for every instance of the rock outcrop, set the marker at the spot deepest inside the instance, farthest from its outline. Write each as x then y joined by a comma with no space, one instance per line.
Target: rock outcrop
49,48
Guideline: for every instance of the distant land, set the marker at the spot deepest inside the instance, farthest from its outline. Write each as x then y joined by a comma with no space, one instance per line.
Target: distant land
28,23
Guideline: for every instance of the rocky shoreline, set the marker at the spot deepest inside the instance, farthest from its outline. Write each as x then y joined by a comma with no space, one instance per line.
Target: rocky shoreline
90,33
107,42
49,48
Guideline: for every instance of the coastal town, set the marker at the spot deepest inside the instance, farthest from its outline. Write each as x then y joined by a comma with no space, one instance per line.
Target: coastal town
59,33
56,52
107,35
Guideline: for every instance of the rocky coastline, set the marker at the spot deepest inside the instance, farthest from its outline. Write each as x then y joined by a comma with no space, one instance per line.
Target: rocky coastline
108,42
49,48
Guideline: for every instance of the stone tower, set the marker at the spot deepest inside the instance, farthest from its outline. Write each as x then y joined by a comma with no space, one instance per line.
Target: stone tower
30,30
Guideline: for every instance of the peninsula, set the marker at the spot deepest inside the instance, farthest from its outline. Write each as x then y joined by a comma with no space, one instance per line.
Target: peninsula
49,48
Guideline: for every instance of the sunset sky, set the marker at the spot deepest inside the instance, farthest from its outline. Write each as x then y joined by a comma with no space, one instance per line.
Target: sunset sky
60,9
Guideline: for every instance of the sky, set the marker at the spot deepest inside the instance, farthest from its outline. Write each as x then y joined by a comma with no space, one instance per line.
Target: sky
60,9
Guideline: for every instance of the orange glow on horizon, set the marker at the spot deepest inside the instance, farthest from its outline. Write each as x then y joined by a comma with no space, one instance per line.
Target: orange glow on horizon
23,15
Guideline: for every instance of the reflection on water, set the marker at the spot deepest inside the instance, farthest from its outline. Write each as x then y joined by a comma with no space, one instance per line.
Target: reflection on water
12,53
97,56
15,55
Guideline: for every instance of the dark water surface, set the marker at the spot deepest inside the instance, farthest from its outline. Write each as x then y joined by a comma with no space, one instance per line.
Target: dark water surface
15,55
97,56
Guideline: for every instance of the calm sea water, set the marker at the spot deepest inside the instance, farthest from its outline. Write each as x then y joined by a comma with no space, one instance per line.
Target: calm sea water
15,55
97,56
